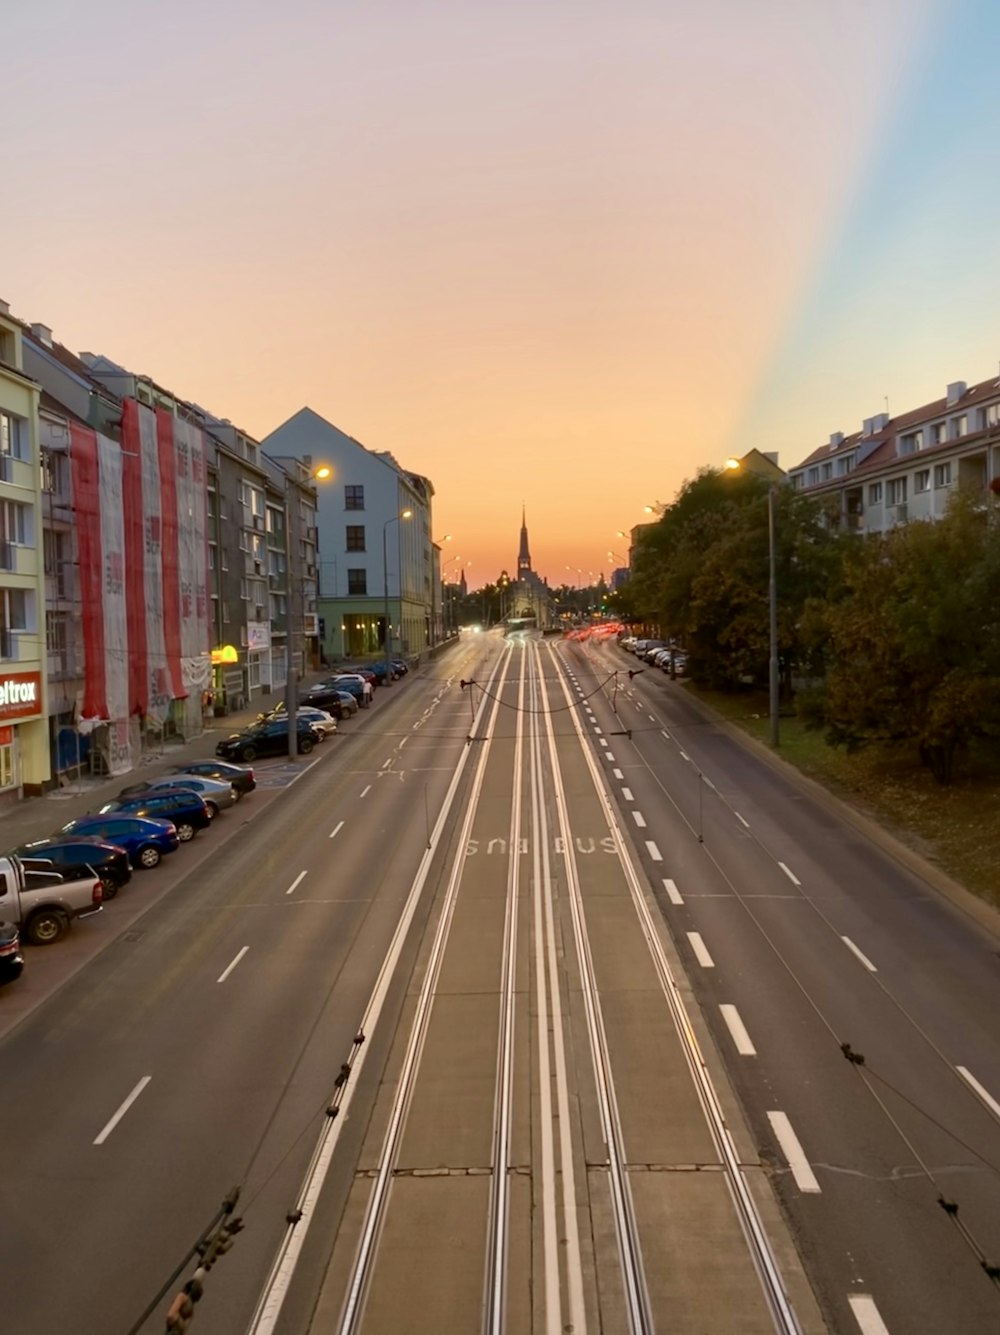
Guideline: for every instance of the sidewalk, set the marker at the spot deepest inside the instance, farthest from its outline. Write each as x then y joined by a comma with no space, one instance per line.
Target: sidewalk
37,817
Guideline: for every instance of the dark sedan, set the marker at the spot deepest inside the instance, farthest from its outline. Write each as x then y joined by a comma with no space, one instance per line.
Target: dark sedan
266,739
144,840
187,811
240,776
82,854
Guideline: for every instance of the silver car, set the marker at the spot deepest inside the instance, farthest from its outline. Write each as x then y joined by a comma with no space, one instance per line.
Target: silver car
217,795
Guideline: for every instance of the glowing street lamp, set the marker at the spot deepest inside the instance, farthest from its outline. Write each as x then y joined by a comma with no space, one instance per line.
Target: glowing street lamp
321,473
395,519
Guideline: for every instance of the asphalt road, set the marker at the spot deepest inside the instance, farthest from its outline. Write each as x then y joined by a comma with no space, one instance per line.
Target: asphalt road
201,1046
819,937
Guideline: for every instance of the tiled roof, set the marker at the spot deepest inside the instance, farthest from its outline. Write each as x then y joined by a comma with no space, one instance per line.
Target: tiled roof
883,440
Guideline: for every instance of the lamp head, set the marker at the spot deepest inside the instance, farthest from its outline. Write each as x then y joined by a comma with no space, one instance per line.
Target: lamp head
732,465
322,473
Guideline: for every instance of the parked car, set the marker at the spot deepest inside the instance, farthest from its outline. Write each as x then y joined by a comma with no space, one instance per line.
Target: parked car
11,959
358,685
80,854
187,810
321,719
342,705
43,903
146,841
266,739
239,776
384,673
217,794
366,670
400,665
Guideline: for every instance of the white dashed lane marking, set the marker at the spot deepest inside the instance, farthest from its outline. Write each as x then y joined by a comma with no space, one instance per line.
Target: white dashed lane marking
365,791
298,879
790,874
700,950
230,967
866,1314
639,819
984,1094
110,1126
627,794
804,1177
738,1031
336,829
859,953
653,851
673,893
742,819
618,774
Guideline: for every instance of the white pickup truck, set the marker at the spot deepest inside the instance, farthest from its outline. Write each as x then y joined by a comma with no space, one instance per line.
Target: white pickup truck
44,902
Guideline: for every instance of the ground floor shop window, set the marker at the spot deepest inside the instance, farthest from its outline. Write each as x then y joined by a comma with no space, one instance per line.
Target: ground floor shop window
8,761
362,634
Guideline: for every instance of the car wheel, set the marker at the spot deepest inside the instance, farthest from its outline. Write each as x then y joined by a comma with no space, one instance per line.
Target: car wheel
46,926
237,794
213,810
305,745
249,753
109,888
185,832
148,856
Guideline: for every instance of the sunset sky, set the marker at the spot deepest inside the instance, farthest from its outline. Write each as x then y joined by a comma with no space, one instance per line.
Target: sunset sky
564,254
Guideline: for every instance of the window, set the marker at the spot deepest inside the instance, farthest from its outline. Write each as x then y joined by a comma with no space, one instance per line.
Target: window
12,525
939,433
355,537
959,427
875,493
354,498
992,415
922,481
357,581
827,472
910,443
895,491
13,436
813,477
942,475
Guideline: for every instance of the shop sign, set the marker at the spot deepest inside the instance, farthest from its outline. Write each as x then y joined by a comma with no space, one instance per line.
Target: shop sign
258,636
6,735
20,694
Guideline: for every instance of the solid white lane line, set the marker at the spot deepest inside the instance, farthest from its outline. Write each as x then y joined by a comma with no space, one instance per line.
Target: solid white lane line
639,819
700,950
230,967
673,893
986,1097
336,829
684,754
295,882
110,1126
618,774
866,1314
860,954
742,819
627,794
653,851
790,874
365,791
738,1030
805,1179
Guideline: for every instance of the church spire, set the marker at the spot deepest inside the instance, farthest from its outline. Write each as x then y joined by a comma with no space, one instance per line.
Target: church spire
523,555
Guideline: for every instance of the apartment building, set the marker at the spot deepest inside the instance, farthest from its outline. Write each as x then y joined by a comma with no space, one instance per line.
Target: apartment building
376,562
894,470
25,765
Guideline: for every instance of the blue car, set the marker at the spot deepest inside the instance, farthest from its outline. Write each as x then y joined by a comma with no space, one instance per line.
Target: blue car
145,841
187,810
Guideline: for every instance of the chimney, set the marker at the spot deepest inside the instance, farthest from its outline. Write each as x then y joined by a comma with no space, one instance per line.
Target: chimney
836,439
43,333
955,391
4,307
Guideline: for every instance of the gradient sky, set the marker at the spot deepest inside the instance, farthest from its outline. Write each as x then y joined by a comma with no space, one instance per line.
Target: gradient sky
558,253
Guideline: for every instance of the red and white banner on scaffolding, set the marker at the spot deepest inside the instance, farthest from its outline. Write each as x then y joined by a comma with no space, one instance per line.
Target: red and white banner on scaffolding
140,510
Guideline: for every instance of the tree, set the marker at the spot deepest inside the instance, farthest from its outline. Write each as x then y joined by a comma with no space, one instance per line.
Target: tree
914,639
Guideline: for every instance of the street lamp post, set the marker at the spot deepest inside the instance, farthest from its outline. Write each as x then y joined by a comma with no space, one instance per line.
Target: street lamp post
403,514
322,473
773,678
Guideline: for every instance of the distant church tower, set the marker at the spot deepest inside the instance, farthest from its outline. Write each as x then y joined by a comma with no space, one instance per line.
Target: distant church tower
523,555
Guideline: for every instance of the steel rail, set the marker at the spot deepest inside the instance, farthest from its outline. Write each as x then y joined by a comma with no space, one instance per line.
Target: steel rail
638,1313
758,1243
374,1215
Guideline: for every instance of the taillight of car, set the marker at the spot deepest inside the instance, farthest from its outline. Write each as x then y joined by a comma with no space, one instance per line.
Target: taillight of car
97,894
9,947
